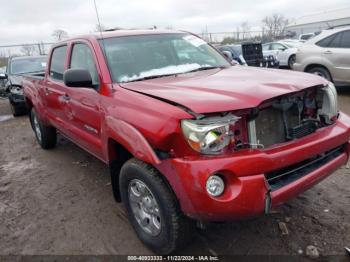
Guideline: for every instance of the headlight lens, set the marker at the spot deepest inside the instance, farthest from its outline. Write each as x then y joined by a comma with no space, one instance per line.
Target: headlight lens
17,90
210,135
215,186
330,103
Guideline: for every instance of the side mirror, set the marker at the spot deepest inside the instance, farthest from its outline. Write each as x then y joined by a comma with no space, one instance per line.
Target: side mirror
228,55
3,76
77,78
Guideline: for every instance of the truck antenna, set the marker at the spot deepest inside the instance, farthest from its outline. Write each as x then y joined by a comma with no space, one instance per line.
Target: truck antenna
100,28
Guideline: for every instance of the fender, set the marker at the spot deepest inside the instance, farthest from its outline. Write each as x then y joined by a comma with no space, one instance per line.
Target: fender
32,99
131,139
315,60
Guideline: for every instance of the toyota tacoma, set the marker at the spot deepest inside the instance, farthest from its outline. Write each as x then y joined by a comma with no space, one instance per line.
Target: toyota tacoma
187,136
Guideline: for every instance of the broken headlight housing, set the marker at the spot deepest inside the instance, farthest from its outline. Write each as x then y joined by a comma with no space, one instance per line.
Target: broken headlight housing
16,90
211,135
329,108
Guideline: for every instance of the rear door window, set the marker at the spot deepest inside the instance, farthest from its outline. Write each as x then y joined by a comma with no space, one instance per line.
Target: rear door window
266,47
331,41
345,41
57,63
336,41
276,46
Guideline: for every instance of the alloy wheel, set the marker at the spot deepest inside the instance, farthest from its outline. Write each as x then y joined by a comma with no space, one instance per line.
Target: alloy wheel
144,207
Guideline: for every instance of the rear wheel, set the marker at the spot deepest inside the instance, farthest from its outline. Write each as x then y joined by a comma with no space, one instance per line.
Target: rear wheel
45,135
320,71
152,208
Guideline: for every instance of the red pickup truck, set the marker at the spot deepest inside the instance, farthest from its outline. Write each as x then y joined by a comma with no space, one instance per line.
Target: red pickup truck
187,135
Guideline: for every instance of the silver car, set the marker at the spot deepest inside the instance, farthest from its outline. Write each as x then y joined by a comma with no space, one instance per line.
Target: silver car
327,55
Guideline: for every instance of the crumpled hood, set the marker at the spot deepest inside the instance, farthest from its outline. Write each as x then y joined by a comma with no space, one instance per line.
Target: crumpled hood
16,80
233,88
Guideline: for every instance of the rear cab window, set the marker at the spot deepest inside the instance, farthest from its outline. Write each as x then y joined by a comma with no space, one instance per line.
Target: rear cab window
57,65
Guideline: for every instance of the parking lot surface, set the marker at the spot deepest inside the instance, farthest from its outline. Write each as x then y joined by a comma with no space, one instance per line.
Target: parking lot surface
60,202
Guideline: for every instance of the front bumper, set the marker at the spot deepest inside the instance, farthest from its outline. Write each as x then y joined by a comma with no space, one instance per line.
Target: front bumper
247,191
298,67
17,99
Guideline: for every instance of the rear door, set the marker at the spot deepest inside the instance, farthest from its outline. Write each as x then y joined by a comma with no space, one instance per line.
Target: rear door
336,49
84,114
344,59
279,52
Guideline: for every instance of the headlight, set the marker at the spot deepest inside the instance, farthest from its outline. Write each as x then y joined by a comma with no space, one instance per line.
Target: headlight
215,186
329,103
209,135
16,90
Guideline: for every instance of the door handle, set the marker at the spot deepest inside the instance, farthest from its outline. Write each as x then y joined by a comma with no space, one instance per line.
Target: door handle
66,98
328,52
47,91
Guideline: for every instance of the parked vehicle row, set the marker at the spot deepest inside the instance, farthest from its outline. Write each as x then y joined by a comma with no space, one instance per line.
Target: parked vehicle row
12,78
187,135
283,51
250,54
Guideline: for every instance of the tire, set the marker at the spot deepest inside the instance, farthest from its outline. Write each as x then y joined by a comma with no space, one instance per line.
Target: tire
320,71
291,61
45,135
16,111
171,229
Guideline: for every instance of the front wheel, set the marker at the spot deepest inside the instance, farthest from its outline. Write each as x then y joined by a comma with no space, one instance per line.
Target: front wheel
152,208
45,135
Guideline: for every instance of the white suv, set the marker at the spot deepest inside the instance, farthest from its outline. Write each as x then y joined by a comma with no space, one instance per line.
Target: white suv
327,55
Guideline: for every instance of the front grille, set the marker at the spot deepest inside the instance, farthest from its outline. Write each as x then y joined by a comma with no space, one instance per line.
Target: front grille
304,129
283,177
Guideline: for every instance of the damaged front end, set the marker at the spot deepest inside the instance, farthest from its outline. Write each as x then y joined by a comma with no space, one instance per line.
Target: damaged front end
294,116
275,121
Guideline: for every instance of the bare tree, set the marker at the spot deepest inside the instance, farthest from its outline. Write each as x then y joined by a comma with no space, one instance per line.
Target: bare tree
245,27
59,34
28,50
275,25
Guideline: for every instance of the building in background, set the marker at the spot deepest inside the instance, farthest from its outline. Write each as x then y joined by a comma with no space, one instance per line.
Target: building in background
320,21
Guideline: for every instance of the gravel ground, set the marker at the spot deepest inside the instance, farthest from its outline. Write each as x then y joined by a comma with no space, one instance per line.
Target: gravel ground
59,202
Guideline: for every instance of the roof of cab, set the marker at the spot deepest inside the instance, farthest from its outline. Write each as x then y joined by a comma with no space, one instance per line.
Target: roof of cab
121,33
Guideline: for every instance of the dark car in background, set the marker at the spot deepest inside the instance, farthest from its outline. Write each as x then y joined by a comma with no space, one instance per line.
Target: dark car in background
18,67
250,54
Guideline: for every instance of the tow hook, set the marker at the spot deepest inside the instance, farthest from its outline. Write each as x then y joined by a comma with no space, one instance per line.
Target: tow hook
268,202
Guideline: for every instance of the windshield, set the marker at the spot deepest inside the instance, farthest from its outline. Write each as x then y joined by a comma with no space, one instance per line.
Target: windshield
28,65
133,58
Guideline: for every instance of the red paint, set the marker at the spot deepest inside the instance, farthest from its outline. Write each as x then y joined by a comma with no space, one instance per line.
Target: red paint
133,116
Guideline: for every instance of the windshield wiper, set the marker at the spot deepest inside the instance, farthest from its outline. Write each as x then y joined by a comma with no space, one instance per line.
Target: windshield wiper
204,68
175,74
34,72
149,77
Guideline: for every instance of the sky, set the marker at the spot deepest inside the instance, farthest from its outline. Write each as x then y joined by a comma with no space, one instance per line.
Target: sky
23,21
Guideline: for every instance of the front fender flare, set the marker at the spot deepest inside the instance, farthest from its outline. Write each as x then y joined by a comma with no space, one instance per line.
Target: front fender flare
131,139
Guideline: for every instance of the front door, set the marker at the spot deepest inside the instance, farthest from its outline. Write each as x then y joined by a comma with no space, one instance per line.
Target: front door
84,114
